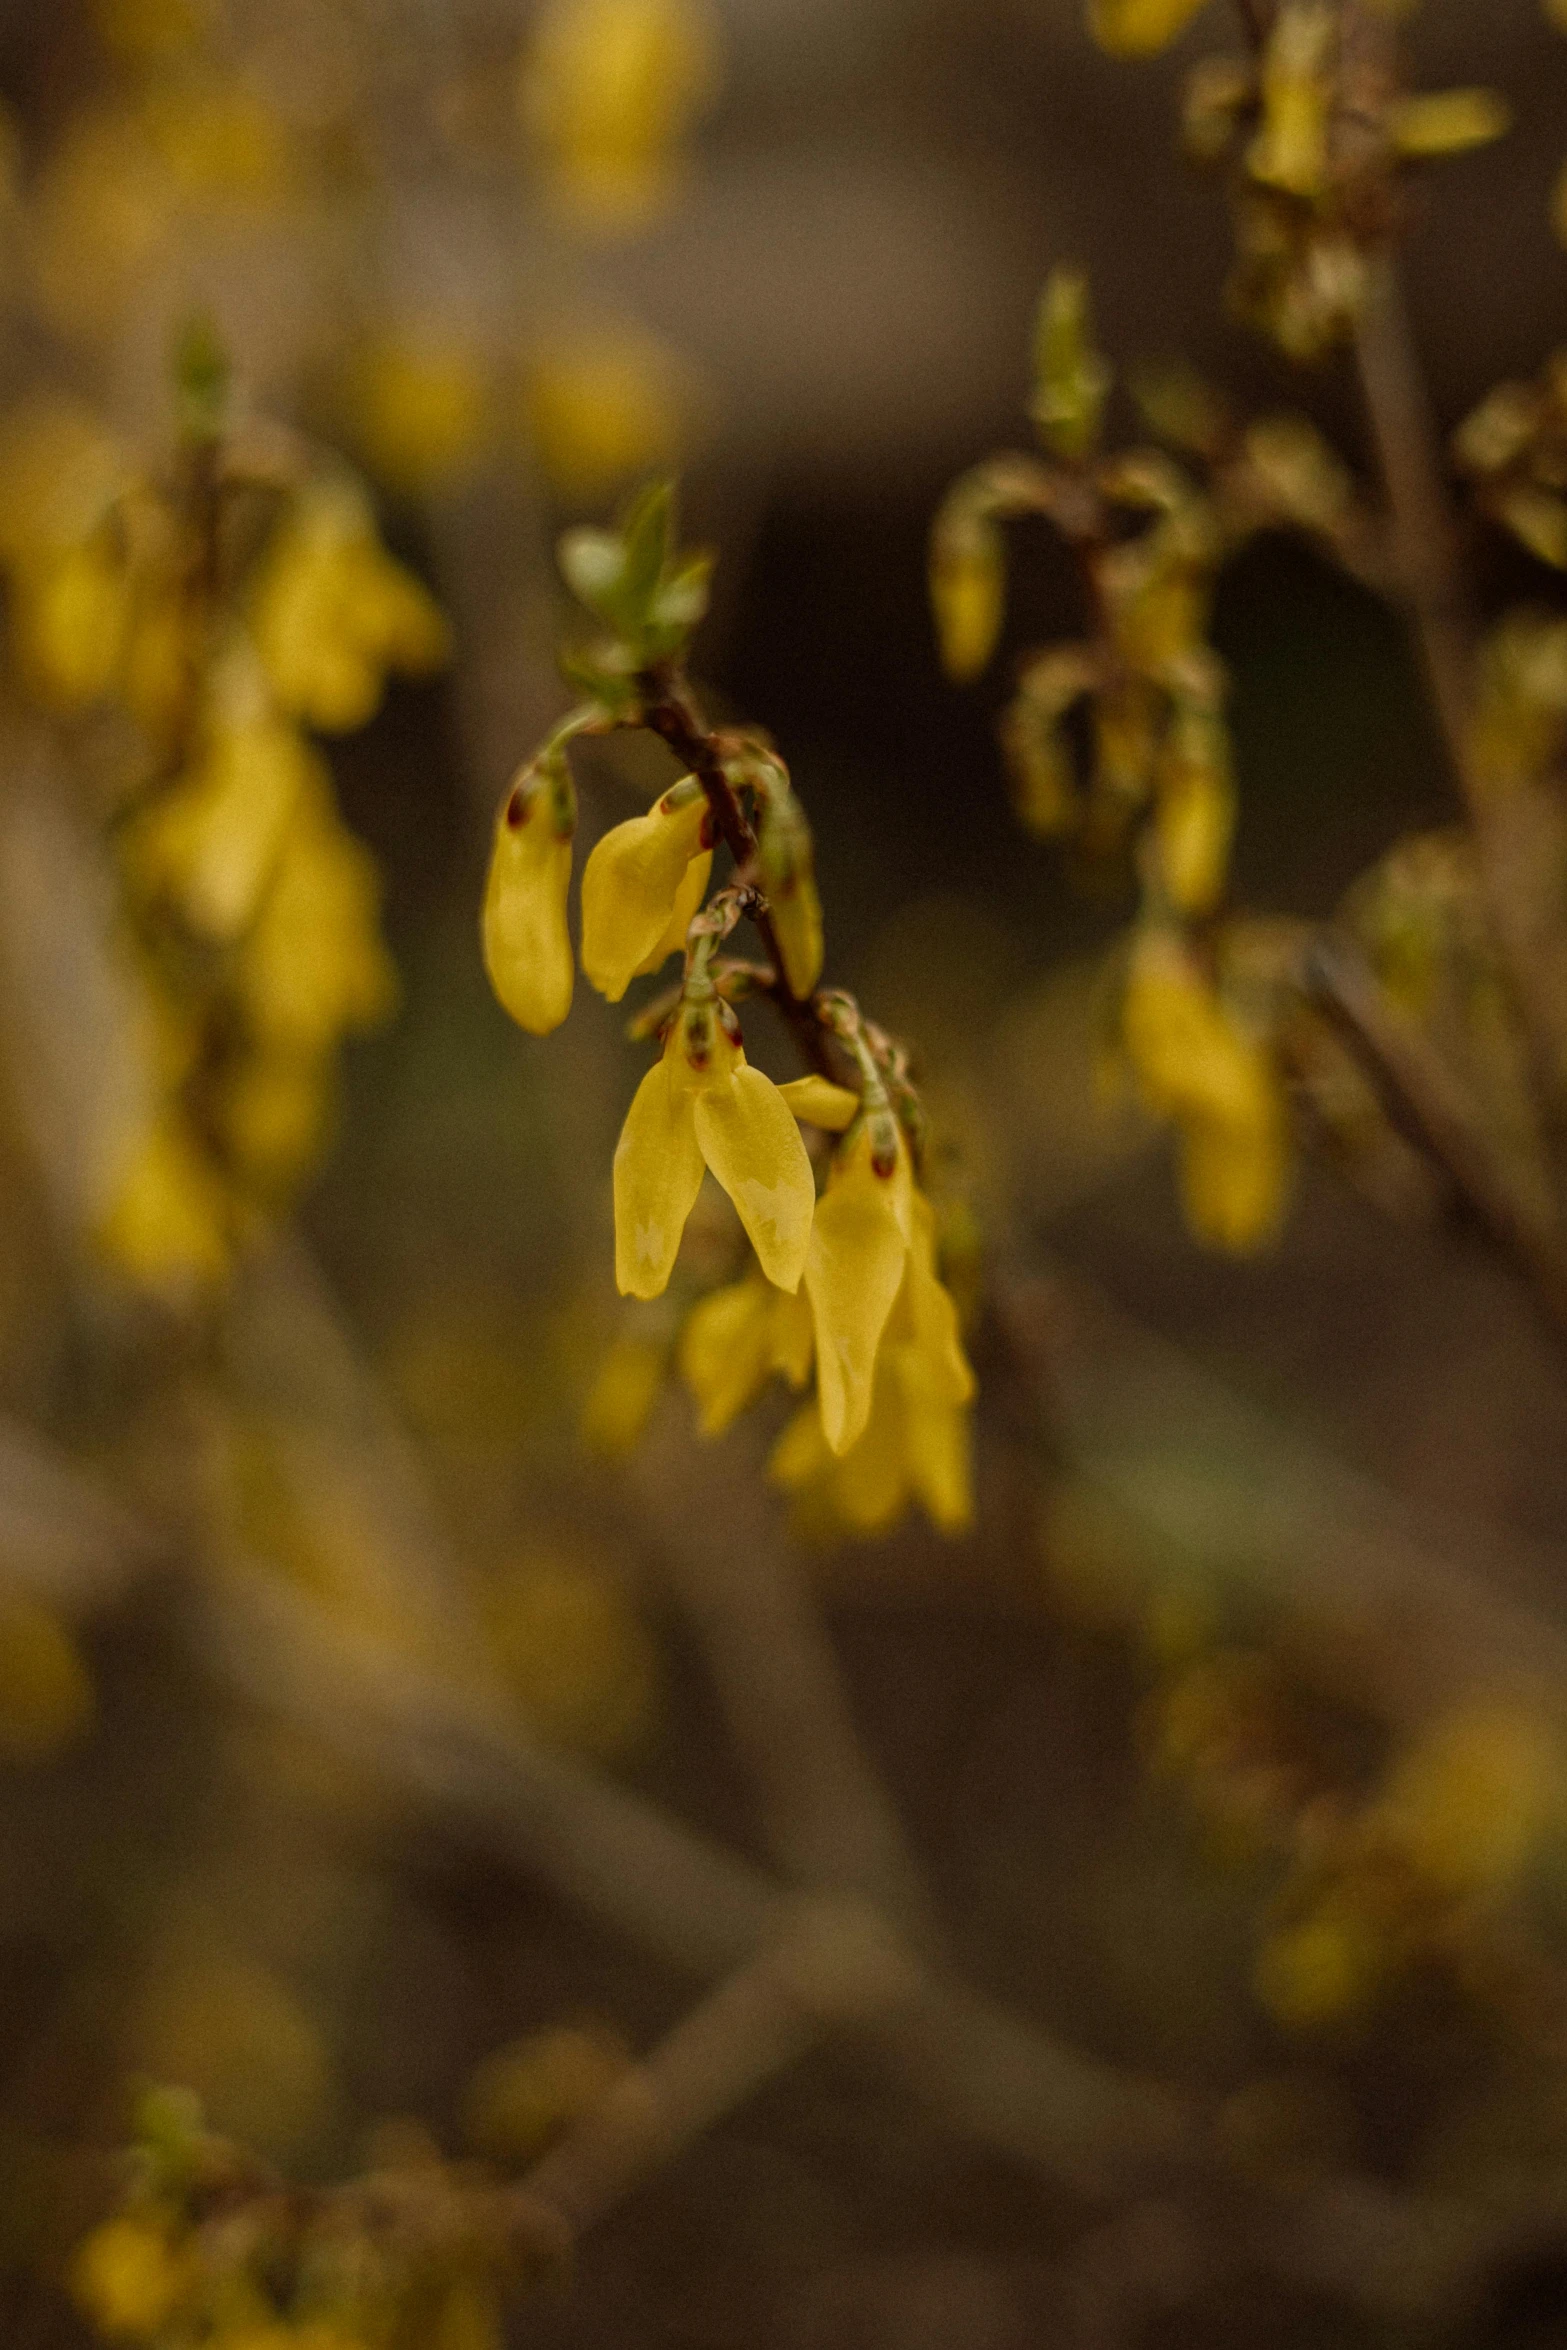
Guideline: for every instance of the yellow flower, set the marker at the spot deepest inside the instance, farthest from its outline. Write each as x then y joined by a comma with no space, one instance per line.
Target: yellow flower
212,842
734,1341
1290,150
702,1104
818,1102
608,88
420,405
166,1221
333,613
854,1270
787,857
603,404
313,964
1136,28
1195,1065
625,1388
967,593
643,883
68,625
527,948
272,1113
1194,810
915,1441
128,2278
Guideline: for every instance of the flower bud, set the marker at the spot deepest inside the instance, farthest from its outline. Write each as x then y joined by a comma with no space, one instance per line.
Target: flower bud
787,858
643,883
527,949
967,591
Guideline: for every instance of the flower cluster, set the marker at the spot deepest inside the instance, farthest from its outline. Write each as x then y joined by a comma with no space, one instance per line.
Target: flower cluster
846,1282
1311,131
207,2250
1143,694
206,620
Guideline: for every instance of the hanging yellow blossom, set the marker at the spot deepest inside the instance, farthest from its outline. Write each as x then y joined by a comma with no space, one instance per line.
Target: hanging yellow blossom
527,947
643,883
314,964
608,89
333,613
1195,1065
702,1104
737,1339
858,1255
211,843
914,1443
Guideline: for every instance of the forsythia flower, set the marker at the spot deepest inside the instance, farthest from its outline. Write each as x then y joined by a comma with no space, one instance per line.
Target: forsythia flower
333,612
702,1104
967,594
1193,1064
914,1438
608,87
166,1220
601,406
858,1256
735,1340
643,883
420,405
527,947
128,2278
313,962
212,842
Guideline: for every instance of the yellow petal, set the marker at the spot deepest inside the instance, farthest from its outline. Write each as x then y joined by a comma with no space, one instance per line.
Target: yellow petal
853,1272
937,1442
752,1144
967,596
870,1484
625,1388
1445,122
658,1173
688,899
1137,28
1235,1176
527,948
726,1351
820,1103
631,889
927,1310
212,842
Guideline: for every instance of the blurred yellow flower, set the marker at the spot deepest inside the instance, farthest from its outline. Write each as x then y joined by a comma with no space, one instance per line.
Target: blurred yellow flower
1195,1065
333,613
967,594
626,1386
211,843
602,404
1470,1801
313,964
129,2278
736,1339
608,88
166,1222
420,407
701,1104
642,884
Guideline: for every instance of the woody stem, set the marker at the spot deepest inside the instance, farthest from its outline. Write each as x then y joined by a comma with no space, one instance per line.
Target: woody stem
668,711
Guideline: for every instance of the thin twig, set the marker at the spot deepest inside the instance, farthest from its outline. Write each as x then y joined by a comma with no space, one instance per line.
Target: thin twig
1426,558
1427,1105
670,713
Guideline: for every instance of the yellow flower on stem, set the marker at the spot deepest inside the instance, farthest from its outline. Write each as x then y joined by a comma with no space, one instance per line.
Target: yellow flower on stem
129,2278
643,883
703,1105
915,1441
859,1253
735,1340
527,947
333,612
1195,1065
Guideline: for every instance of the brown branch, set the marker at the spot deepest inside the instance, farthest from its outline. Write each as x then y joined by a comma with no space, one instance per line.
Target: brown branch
1428,1106
669,712
1436,597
